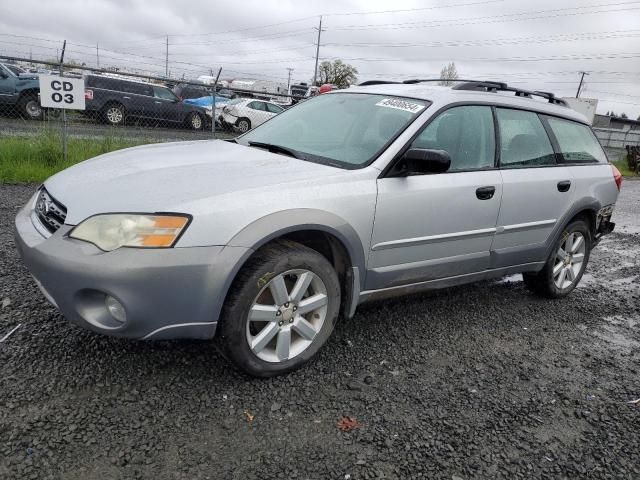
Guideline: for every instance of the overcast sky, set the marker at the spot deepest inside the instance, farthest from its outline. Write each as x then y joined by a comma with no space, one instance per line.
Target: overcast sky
540,45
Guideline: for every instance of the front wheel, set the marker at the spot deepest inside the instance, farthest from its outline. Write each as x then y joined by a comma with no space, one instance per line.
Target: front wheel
195,121
281,310
30,108
566,264
244,125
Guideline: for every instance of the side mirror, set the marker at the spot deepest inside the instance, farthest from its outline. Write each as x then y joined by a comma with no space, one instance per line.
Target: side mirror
421,161
3,74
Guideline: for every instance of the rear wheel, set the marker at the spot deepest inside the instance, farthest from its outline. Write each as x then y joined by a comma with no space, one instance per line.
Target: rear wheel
114,114
566,264
281,310
30,108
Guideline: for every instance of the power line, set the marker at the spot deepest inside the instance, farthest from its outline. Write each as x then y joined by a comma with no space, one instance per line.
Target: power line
509,17
588,56
565,37
405,10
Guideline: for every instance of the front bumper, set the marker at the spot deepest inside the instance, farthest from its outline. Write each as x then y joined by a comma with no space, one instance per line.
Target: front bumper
166,293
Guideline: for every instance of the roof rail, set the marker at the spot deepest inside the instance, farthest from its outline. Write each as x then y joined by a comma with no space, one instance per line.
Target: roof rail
376,82
489,86
477,85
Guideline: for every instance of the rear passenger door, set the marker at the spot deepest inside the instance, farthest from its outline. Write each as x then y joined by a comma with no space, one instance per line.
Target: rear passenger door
537,191
439,225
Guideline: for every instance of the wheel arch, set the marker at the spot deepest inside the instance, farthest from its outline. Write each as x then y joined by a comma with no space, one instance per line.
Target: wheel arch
27,92
326,233
586,208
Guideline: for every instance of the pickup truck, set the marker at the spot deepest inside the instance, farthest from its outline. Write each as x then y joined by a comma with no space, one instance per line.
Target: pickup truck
19,92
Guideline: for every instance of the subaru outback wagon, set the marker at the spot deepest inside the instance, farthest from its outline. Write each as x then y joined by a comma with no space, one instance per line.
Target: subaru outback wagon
266,240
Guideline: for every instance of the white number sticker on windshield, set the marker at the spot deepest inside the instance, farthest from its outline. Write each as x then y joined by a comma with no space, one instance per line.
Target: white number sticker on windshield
400,105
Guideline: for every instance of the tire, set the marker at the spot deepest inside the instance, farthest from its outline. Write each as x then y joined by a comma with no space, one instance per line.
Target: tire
29,107
257,345
195,121
568,269
244,125
114,114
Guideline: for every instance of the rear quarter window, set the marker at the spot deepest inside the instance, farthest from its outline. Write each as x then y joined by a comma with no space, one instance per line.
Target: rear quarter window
577,142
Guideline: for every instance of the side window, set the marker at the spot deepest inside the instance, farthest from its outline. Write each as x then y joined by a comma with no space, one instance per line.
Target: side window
577,142
257,106
466,133
164,93
523,140
273,108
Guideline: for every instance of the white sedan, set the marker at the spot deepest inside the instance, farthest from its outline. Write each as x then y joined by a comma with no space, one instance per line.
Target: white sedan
245,113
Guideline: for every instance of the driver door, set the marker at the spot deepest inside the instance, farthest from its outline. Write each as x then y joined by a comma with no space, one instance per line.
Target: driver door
167,107
7,85
440,225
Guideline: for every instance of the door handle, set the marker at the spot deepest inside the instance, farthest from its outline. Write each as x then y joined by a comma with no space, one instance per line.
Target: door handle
158,103
485,193
564,186
127,98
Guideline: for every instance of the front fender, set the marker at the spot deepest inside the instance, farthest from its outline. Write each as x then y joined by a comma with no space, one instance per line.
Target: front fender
277,224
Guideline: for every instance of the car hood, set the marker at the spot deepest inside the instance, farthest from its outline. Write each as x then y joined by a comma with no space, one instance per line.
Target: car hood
167,177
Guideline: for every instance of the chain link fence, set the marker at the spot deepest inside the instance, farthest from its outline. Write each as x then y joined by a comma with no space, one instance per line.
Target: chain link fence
135,107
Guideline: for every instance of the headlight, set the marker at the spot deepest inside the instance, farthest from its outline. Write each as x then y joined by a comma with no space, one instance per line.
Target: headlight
112,231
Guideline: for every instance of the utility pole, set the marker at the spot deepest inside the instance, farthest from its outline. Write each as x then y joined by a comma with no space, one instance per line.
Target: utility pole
289,79
166,61
315,71
580,85
97,55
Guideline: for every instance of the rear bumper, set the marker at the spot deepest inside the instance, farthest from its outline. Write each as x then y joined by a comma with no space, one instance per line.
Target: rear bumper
604,225
166,293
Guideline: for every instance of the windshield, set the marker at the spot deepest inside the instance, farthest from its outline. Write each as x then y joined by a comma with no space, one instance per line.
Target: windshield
347,129
14,69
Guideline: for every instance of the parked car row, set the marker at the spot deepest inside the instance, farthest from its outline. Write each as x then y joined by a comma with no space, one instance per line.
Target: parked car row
119,100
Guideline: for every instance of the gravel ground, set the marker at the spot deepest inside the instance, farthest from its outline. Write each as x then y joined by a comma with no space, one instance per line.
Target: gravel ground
481,381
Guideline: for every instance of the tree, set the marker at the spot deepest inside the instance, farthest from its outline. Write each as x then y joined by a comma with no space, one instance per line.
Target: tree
448,74
623,115
337,73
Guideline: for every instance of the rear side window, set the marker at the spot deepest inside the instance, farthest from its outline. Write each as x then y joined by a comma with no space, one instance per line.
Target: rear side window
577,142
135,88
523,140
465,133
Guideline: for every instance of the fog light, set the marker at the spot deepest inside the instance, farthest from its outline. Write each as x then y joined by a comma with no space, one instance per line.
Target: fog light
116,309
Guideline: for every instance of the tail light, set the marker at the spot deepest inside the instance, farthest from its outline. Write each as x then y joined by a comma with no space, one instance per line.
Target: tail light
88,94
617,176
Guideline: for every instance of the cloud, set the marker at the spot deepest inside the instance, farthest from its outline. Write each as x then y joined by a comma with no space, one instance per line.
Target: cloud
486,39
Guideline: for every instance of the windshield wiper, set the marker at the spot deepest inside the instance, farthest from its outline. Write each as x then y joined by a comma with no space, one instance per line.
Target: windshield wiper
278,149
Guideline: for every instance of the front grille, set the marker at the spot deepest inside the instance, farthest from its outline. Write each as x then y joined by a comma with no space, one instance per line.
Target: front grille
50,212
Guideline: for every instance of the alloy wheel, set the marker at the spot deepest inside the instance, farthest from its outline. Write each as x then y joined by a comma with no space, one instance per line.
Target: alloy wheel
114,115
196,122
569,260
33,109
287,315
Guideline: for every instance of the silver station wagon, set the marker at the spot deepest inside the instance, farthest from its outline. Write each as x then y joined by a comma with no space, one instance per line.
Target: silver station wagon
263,242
